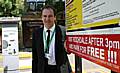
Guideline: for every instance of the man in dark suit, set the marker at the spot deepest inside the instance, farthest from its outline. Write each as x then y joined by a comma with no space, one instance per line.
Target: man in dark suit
48,48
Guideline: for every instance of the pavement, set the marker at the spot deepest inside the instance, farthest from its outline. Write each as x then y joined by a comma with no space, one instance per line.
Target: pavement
90,67
71,58
25,62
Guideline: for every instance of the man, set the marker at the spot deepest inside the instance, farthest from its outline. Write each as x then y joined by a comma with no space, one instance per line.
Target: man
48,48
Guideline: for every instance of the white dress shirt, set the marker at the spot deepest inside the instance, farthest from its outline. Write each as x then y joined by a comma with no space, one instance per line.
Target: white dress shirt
51,54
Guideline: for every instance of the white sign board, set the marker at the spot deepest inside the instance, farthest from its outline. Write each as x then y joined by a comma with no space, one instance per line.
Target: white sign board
10,40
100,10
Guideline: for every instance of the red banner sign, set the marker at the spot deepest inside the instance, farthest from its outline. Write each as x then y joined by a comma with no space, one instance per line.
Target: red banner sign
101,49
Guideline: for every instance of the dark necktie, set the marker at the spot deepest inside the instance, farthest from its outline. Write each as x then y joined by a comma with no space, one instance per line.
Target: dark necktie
48,40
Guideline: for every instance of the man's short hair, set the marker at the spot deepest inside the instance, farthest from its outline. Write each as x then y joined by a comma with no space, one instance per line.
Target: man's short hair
49,7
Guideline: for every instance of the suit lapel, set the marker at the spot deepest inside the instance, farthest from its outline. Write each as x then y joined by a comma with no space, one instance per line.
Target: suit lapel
57,39
41,35
40,41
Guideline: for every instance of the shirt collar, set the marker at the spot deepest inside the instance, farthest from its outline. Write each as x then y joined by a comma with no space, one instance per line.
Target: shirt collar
51,29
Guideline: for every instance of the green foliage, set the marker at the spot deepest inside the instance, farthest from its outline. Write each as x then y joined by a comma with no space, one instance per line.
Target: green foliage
9,8
59,6
49,2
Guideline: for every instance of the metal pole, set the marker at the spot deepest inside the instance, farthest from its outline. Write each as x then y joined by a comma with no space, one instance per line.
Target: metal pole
78,64
113,72
5,69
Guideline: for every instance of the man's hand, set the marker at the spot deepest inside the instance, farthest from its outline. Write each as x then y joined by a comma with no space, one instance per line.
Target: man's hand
65,46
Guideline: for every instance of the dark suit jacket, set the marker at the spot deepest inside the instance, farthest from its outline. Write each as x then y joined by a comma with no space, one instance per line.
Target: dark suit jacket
38,54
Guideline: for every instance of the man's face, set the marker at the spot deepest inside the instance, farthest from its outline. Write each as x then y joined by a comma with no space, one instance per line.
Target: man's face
48,17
